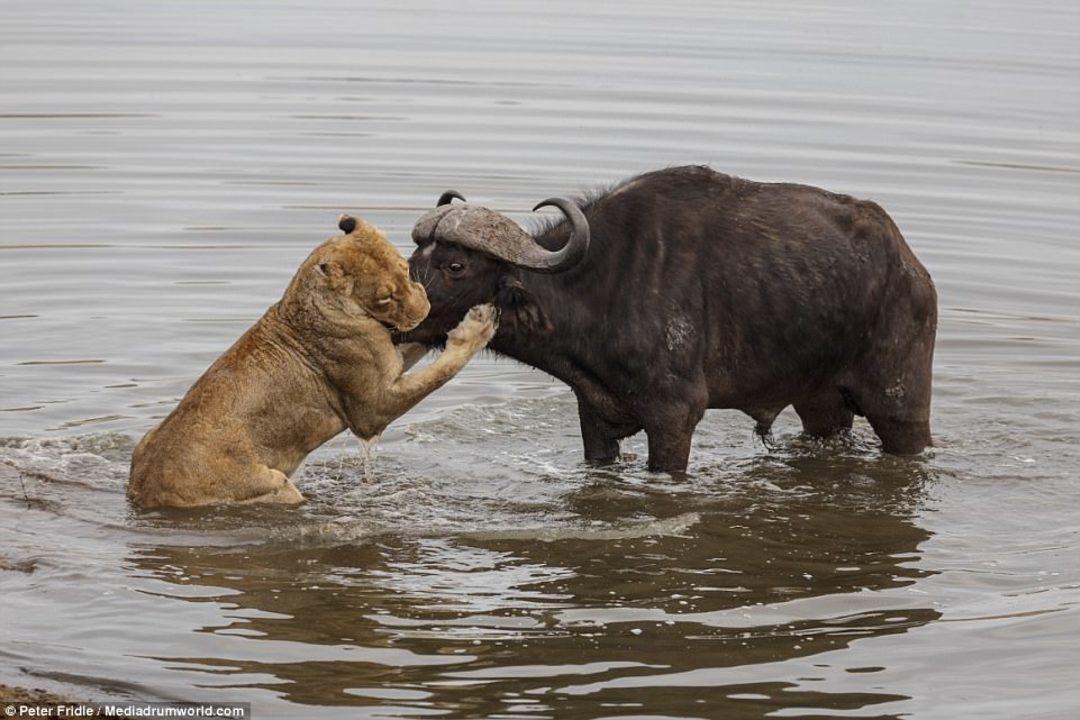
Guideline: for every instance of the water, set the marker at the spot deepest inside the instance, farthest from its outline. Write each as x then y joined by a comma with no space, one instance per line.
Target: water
165,166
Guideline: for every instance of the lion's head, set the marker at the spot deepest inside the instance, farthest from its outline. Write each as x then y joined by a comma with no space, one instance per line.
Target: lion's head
360,273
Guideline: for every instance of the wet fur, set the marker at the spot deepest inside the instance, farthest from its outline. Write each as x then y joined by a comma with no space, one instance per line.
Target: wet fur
317,362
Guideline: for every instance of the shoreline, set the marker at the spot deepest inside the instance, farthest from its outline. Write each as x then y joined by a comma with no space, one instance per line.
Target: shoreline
10,694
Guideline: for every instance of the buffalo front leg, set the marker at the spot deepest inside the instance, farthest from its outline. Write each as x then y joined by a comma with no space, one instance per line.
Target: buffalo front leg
670,433
600,437
825,414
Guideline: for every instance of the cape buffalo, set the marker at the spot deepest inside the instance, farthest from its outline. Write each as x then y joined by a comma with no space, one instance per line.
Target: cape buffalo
685,289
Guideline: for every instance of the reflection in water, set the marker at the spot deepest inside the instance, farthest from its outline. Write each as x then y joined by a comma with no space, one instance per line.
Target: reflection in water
750,599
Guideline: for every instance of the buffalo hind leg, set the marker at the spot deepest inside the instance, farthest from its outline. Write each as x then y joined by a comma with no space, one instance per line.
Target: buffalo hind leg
825,414
899,436
894,395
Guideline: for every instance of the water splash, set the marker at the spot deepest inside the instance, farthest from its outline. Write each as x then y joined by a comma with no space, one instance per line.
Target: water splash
369,447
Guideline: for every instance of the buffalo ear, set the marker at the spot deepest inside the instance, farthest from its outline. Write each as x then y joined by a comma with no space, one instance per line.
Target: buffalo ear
517,304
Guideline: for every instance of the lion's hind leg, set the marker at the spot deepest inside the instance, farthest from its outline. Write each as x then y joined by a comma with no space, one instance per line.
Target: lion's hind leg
267,485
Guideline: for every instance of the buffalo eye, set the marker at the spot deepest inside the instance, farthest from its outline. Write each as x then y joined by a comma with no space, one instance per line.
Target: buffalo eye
455,268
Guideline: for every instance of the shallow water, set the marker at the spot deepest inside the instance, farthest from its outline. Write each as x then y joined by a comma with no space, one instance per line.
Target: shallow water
163,169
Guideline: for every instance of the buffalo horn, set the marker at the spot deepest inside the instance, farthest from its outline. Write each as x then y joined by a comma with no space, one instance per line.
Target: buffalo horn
487,231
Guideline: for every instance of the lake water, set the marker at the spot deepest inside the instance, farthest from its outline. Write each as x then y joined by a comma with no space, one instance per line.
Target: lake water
165,166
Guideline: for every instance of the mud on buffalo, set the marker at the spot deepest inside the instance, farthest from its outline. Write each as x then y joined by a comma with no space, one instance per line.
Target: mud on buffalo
685,289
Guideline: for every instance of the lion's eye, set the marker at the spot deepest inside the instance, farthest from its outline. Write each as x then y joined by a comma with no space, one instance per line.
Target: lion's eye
384,301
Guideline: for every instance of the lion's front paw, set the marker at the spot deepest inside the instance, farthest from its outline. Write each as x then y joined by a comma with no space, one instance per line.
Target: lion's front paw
475,329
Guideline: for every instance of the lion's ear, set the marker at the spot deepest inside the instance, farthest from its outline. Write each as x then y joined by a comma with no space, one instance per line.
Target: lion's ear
346,223
517,305
332,273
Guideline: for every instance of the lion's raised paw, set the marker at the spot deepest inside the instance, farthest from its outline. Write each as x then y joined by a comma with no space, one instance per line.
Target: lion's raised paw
476,329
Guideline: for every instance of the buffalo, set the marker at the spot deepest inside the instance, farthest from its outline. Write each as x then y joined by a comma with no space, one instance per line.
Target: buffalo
685,289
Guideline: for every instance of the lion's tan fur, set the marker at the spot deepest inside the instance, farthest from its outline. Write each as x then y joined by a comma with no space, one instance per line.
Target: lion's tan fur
317,362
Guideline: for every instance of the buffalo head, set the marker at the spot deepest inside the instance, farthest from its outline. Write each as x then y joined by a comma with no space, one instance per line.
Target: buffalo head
467,255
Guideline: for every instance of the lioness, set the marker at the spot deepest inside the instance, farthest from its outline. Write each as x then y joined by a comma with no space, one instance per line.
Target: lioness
318,361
